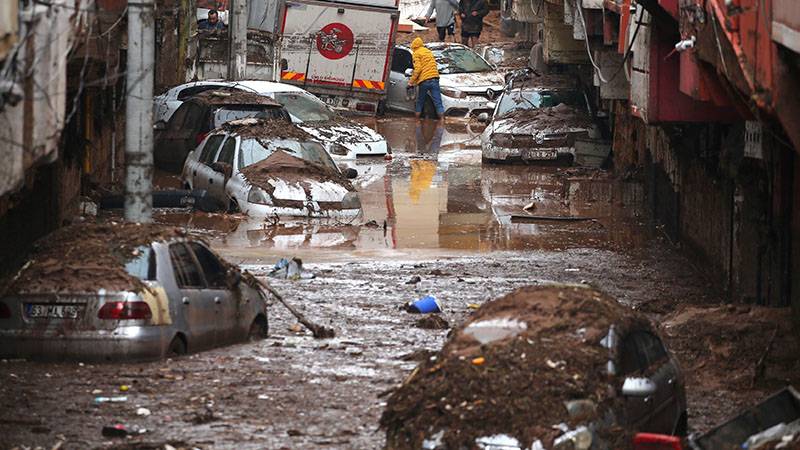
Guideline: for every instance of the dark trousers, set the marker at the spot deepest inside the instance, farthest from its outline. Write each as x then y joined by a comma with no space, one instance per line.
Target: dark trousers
450,29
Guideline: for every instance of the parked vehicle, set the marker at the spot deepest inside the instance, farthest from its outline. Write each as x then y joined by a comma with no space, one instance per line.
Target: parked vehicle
343,138
559,366
98,292
266,168
540,120
202,113
468,82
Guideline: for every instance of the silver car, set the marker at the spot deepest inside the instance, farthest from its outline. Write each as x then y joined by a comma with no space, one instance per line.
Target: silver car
180,297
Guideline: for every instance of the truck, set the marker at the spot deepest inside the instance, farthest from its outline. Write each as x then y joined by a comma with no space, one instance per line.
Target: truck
340,51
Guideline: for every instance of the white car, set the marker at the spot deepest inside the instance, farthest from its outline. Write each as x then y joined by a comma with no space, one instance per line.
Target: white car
468,82
270,168
343,138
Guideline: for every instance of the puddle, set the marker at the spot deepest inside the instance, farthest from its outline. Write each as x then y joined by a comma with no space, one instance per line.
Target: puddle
487,331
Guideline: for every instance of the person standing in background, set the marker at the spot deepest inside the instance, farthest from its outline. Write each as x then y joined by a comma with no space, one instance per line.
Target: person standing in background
445,17
472,13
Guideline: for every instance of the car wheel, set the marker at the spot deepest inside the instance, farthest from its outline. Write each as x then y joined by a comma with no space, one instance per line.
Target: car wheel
177,347
259,329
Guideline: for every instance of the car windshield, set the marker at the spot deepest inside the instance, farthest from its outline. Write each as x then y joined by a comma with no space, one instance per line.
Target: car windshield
254,150
459,60
519,99
228,113
305,107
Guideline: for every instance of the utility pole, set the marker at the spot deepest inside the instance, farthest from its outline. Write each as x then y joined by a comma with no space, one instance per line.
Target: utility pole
237,51
139,112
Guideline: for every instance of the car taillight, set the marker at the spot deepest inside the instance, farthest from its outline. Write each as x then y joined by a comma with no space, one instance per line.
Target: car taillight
650,441
367,107
199,138
125,311
5,311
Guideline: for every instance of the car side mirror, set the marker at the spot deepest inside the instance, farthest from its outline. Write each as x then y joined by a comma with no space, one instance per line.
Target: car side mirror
409,72
483,117
160,125
638,387
223,168
350,173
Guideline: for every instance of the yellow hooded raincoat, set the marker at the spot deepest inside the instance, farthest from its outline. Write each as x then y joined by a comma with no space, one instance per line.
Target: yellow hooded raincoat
424,63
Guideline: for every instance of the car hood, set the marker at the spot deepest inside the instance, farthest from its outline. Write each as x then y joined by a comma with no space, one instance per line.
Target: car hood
341,131
470,82
557,119
512,126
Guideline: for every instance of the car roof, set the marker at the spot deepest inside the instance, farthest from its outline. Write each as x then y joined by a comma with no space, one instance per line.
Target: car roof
253,127
437,46
232,97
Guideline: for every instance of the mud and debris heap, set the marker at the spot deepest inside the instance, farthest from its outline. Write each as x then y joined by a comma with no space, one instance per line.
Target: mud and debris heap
86,257
552,118
266,129
288,168
510,369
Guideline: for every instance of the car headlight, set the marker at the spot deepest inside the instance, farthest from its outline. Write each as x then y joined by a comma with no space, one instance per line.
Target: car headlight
455,93
351,201
258,196
339,149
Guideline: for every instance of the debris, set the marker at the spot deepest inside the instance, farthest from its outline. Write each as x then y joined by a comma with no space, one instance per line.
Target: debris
478,361
117,430
425,305
414,280
319,331
473,306
119,399
372,224
290,269
529,207
432,322
124,388
294,432
295,328
143,412
517,218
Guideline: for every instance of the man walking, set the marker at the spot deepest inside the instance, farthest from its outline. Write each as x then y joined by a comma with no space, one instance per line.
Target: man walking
445,17
426,77
472,13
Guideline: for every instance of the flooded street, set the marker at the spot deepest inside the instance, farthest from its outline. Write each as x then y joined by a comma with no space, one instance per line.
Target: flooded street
433,211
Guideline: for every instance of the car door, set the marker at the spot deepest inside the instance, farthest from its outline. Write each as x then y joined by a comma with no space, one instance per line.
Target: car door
643,355
198,311
217,179
227,322
396,97
201,169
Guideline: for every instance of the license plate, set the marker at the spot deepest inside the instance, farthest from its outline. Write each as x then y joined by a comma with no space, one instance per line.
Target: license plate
53,311
540,154
331,101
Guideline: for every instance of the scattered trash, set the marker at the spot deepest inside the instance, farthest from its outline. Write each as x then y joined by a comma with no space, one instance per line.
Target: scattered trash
425,305
124,388
120,430
473,306
529,207
295,328
143,412
291,270
432,322
572,269
119,399
492,330
97,392
414,280
580,438
555,364
263,397
478,361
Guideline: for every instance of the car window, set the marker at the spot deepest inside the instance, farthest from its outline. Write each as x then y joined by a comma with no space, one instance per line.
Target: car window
177,119
210,148
213,269
194,90
640,350
187,274
254,150
227,152
519,99
401,60
305,106
459,60
143,265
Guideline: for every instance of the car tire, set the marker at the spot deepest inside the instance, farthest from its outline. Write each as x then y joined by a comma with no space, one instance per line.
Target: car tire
259,329
177,347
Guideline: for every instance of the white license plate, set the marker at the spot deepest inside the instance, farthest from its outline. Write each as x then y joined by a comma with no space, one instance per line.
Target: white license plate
53,311
540,154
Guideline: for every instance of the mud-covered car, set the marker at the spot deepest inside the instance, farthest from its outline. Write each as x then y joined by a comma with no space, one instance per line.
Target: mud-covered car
269,168
545,367
106,291
200,114
536,121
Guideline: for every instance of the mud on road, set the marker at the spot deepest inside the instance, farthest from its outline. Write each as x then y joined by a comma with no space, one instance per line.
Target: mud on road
434,212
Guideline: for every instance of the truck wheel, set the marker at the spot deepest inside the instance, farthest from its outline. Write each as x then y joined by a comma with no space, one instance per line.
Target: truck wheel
428,110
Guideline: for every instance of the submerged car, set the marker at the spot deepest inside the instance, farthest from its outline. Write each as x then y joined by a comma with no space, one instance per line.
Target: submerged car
343,138
111,291
540,120
545,367
468,82
267,168
202,113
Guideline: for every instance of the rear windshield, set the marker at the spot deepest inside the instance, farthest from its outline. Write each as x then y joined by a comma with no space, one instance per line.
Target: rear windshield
254,150
143,265
228,113
305,107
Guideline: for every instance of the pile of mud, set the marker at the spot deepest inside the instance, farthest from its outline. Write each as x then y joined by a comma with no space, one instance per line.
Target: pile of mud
85,258
288,168
553,118
232,96
510,369
266,129
342,131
